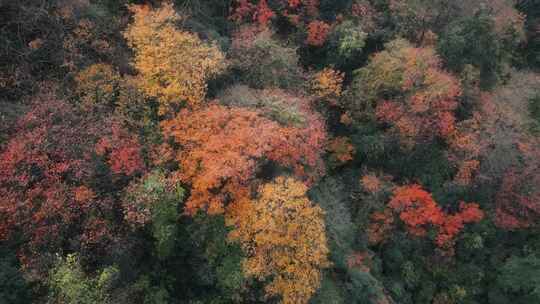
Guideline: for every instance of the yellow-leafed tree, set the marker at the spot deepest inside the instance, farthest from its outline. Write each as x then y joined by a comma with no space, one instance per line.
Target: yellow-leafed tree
174,65
327,84
283,234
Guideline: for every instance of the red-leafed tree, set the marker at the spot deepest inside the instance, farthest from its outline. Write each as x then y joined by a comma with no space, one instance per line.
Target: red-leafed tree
223,148
47,170
122,151
419,211
261,12
258,12
453,224
416,208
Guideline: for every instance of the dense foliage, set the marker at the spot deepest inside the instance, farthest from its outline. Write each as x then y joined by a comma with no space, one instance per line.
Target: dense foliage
270,151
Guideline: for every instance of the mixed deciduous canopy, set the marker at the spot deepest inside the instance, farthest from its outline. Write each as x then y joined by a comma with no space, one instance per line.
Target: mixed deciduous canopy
283,151
224,147
50,171
264,61
409,91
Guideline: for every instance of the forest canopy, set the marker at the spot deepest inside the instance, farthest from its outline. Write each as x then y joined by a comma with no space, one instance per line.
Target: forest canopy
270,151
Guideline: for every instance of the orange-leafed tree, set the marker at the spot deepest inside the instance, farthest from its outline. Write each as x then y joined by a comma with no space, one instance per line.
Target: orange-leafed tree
317,32
223,148
174,65
341,149
283,234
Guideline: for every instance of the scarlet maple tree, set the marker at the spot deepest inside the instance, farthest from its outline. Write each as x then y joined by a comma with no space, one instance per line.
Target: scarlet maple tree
222,148
417,209
263,13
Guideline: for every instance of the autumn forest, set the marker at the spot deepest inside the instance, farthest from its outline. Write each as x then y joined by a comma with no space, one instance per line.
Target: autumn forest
270,151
